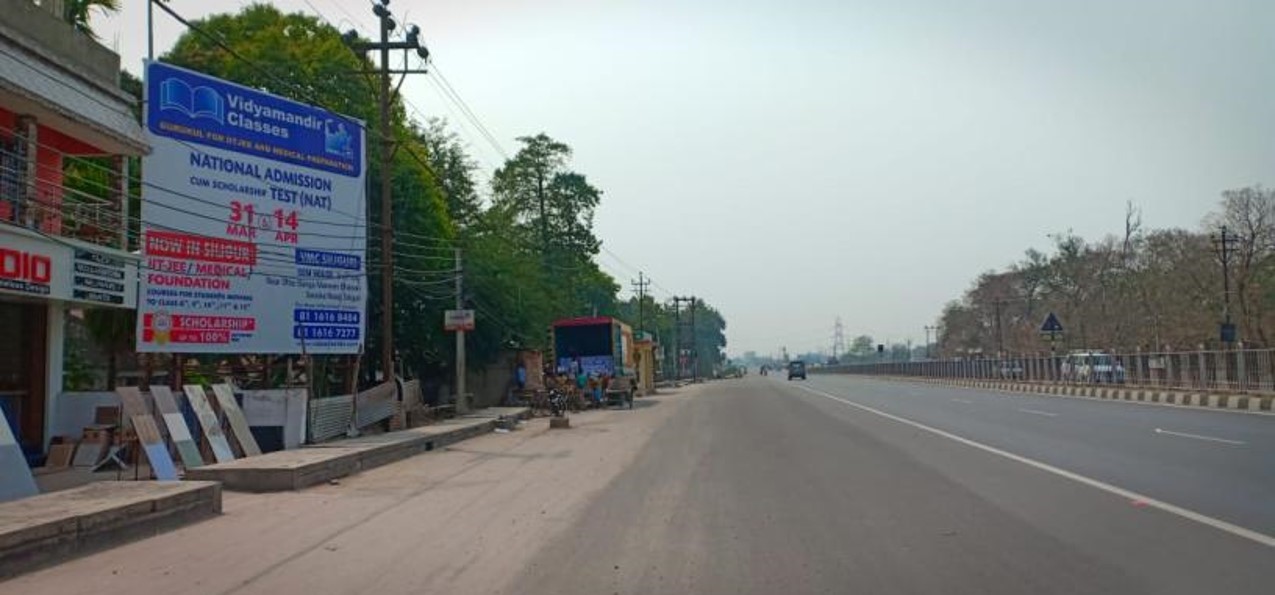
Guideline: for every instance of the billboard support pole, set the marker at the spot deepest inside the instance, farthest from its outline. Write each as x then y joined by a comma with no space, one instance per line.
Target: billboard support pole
461,404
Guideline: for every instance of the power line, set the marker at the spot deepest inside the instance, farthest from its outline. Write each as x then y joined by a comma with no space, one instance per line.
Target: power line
451,92
312,100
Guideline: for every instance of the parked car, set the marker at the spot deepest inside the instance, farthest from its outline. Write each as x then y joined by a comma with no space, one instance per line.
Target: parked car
797,369
1093,367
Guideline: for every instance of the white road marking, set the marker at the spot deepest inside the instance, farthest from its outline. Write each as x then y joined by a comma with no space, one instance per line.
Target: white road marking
966,401
1039,412
1199,437
1218,524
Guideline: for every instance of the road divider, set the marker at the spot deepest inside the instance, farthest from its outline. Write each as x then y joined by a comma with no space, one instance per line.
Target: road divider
1241,403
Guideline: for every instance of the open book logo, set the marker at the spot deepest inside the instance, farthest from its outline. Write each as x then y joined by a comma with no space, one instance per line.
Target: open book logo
337,139
197,102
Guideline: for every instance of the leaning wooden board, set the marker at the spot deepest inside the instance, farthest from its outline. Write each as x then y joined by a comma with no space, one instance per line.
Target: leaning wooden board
15,476
89,453
148,433
238,423
187,449
212,426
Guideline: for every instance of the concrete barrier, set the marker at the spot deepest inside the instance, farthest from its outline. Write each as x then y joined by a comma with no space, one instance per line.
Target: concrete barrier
42,530
296,469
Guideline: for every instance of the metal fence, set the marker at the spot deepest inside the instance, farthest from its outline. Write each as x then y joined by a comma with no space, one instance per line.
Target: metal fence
1249,370
330,417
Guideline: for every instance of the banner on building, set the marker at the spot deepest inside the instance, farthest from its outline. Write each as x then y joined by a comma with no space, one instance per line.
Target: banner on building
33,265
254,222
458,320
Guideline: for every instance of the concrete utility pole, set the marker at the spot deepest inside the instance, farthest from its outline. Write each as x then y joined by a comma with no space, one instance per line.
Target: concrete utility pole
692,353
1000,332
544,215
460,337
677,340
928,330
694,344
1224,242
641,285
388,146
838,340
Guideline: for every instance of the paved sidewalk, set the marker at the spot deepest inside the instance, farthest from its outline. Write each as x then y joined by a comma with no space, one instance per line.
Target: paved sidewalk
465,518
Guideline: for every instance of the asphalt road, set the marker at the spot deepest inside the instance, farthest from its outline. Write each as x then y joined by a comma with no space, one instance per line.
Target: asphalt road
1217,463
830,486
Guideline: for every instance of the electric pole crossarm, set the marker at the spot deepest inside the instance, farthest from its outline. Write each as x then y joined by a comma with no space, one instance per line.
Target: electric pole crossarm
640,285
388,148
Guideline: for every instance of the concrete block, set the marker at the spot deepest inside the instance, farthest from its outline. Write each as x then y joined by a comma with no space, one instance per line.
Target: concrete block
1217,401
106,520
1254,403
38,530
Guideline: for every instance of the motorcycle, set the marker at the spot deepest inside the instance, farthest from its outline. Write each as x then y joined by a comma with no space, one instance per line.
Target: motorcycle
557,403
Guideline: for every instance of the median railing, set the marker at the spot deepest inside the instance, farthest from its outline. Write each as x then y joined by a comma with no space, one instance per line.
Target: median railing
1247,370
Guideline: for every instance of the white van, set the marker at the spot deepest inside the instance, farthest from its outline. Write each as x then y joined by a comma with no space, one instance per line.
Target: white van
1092,366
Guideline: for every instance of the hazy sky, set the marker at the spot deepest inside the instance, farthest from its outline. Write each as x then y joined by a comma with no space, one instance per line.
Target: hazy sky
794,161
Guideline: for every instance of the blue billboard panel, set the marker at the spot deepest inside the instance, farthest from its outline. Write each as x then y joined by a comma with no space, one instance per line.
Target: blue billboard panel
194,107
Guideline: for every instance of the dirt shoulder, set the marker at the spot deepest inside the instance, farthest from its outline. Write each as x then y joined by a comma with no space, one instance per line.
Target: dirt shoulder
463,520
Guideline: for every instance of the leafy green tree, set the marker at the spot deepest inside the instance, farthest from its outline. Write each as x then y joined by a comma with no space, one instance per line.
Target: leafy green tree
114,331
453,169
862,346
555,203
549,209
79,12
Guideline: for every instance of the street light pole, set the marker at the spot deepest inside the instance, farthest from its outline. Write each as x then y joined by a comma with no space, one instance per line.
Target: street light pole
1224,243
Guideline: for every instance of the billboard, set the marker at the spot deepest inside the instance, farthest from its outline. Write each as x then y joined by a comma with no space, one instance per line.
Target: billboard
253,220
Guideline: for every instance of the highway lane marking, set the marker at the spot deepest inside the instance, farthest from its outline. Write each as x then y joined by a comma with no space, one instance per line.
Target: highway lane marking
1191,515
1039,412
966,401
1199,437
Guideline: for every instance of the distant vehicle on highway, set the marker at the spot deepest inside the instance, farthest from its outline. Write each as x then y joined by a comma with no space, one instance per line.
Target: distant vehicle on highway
1011,370
797,369
1092,366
